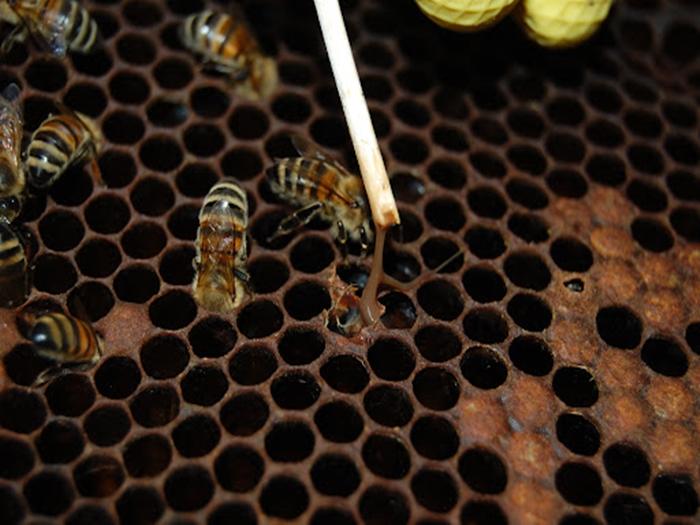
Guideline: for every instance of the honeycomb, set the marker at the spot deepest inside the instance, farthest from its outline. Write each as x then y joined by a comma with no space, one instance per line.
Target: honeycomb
548,374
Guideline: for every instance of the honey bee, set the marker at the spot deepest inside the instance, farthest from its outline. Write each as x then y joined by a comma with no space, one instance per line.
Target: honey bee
323,188
56,25
12,180
227,45
14,278
62,140
220,283
65,340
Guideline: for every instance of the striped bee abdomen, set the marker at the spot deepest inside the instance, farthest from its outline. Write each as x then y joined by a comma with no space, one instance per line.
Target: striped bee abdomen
218,36
14,281
64,338
223,220
305,180
81,31
53,147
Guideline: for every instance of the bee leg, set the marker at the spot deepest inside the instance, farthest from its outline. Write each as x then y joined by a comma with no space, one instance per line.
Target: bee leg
96,172
16,35
296,220
47,375
343,239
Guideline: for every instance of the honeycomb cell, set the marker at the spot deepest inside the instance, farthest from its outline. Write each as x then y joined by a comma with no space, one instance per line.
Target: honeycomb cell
436,388
98,258
86,98
529,227
440,299
172,310
675,494
485,325
98,476
345,373
619,327
196,436
434,437
289,441
284,497
48,493
252,364
627,465
70,395
567,183
140,504
339,421
335,475
450,138
442,255
526,193
46,74
434,489
89,514
295,390
578,433
531,355
488,164
160,153
579,484
664,356
155,406
212,337
123,127
188,488
60,441
152,197
129,88
259,319
107,214
238,512
527,159
239,468
483,368
107,425
244,414
575,386
386,456
621,507
203,385
61,230
164,356
117,377
16,458
379,504
53,274
483,471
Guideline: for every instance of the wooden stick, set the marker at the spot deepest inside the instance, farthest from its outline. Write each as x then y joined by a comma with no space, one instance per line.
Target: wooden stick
364,140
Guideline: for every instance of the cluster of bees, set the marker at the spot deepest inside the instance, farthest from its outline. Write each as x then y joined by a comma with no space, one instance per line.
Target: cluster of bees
317,185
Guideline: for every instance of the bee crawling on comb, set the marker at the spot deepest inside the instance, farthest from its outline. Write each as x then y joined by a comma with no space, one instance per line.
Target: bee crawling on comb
220,283
69,342
226,45
325,189
57,26
59,142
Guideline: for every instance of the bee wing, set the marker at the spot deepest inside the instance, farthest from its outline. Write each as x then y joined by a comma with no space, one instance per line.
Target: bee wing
308,149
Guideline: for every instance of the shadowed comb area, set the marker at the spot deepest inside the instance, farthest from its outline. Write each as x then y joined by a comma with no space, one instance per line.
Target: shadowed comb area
541,366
